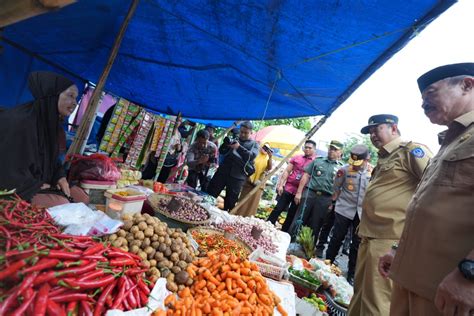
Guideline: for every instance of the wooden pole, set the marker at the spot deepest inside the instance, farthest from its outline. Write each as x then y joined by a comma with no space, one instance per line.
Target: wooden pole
82,134
12,11
271,173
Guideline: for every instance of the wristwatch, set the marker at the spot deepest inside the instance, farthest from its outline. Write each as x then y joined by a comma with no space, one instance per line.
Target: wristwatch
466,267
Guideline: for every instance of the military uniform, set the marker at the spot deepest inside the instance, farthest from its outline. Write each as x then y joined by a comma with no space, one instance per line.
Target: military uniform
439,229
317,195
352,185
394,179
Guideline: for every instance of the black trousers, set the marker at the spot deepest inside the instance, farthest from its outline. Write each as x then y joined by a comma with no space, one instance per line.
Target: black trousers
194,176
341,226
232,186
314,207
285,201
325,230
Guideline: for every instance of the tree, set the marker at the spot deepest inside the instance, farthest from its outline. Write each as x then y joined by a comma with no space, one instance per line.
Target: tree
301,123
354,140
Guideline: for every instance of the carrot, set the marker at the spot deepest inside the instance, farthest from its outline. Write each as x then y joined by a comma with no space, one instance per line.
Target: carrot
241,296
233,275
170,300
281,310
245,271
225,268
241,284
200,285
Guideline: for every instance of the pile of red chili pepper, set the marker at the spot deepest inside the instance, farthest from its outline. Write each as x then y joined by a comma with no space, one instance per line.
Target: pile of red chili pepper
23,224
78,276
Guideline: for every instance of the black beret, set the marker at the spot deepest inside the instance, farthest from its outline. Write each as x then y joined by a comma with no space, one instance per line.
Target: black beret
443,72
379,119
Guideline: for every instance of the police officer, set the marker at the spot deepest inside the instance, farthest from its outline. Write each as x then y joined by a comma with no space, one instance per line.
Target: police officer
318,182
394,179
349,190
433,268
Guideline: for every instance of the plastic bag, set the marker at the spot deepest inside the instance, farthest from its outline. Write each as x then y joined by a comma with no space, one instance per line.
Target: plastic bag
96,167
80,220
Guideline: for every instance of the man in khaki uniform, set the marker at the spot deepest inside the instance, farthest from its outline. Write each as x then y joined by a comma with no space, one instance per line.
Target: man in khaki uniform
394,179
433,268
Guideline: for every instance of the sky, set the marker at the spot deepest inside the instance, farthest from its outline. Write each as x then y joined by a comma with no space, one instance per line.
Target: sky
393,89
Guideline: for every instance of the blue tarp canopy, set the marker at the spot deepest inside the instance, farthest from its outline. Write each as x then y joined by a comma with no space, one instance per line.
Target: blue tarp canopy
217,60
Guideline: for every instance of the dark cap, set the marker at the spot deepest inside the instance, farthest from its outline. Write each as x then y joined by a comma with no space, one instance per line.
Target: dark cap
247,124
379,119
443,72
359,153
336,144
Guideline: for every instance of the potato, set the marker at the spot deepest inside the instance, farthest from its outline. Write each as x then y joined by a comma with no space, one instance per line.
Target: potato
175,248
146,216
152,262
181,277
117,243
122,233
162,248
155,271
151,255
171,286
169,264
148,250
159,256
189,282
150,221
127,217
154,237
170,277
146,264
139,235
174,257
175,269
124,241
134,249
168,241
165,272
155,244
161,239
163,264
189,259
182,255
124,248
142,226
181,287
113,237
127,225
134,229
142,255
129,237
148,232
182,264
146,242
154,278
167,252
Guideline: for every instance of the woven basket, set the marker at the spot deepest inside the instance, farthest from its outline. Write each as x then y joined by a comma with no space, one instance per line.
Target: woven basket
171,220
212,230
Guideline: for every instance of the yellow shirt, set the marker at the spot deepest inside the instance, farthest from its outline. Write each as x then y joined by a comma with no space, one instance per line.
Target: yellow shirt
394,179
260,166
439,230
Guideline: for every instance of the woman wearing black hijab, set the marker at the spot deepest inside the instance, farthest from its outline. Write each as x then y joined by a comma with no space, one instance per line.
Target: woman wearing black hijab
30,139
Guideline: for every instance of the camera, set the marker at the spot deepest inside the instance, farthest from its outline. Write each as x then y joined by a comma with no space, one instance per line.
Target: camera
233,140
267,148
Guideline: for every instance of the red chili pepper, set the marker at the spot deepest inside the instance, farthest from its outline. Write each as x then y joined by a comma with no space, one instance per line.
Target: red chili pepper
61,254
71,308
69,264
80,270
8,237
129,295
70,297
121,293
142,286
101,302
92,284
58,290
17,291
92,250
117,252
122,262
54,309
134,271
12,269
24,306
43,264
86,308
92,275
42,300
143,298
95,257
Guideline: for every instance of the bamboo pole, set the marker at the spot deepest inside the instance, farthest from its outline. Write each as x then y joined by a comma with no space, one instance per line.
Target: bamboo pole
271,173
82,134
12,11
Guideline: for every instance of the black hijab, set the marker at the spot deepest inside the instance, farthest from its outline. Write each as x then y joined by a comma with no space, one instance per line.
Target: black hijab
30,133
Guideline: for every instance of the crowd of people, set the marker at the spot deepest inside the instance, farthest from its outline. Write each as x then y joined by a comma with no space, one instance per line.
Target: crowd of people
409,221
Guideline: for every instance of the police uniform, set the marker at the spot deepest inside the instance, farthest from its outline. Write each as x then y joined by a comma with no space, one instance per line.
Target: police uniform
352,185
439,229
317,196
394,179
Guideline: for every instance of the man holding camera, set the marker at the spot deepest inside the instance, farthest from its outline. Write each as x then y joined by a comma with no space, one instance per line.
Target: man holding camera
236,167
201,155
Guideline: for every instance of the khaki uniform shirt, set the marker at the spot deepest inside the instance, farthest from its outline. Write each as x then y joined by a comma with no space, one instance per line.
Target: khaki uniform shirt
394,179
439,229
322,172
352,184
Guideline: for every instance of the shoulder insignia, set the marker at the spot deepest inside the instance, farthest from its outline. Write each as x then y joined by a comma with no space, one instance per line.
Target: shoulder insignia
417,152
